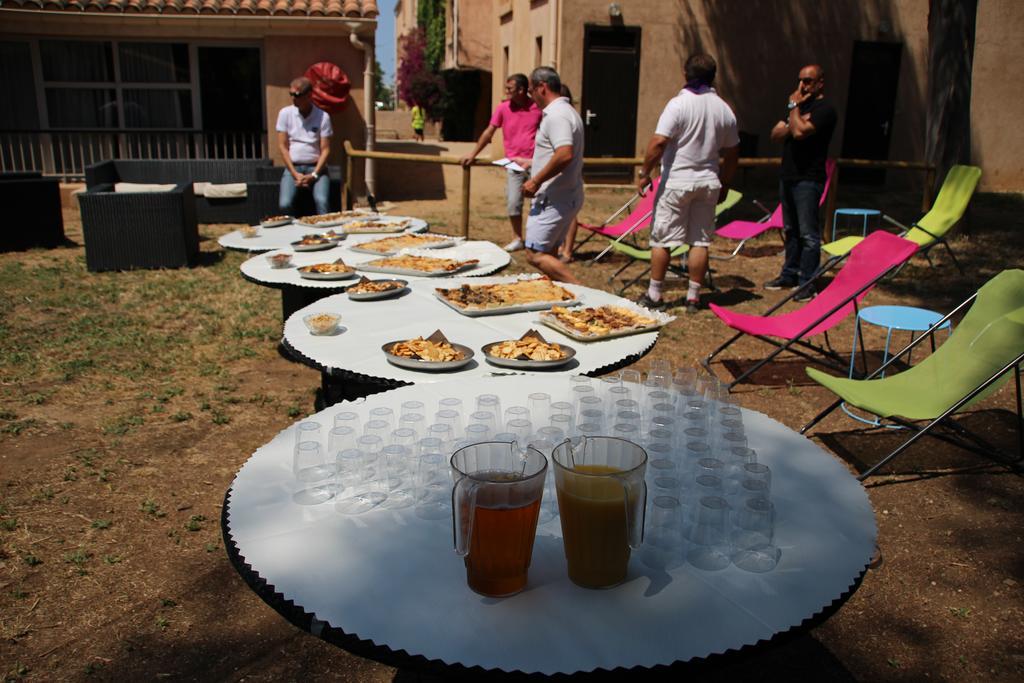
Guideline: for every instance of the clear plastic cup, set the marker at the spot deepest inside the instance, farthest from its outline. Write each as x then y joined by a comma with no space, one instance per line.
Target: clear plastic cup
308,430
381,428
710,547
478,433
310,462
340,438
486,418
753,536
441,431
516,413
433,491
627,431
565,423
400,472
489,402
404,436
414,421
522,429
383,413
347,418
413,407
540,407
358,489
561,408
507,437
663,538
755,480
630,376
452,418
450,403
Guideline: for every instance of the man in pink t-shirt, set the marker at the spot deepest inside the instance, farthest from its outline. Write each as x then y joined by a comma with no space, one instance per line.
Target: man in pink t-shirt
518,117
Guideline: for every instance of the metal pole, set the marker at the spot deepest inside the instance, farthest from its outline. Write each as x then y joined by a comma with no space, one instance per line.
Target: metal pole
464,224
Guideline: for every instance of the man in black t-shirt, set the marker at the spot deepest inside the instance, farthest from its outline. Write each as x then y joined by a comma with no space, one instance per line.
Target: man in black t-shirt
805,134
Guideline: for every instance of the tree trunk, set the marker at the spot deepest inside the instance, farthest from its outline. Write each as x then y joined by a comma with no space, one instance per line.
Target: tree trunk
951,25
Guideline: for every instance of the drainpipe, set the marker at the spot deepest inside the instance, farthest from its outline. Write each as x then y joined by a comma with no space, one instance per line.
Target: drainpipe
455,33
556,15
369,104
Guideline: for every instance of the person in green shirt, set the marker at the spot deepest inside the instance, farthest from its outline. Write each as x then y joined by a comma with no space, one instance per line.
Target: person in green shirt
417,121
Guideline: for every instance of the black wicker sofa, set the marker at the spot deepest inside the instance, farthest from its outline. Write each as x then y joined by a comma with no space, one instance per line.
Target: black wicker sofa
33,212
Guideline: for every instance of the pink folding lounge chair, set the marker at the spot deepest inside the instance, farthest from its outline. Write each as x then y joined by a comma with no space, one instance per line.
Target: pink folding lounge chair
745,230
639,219
878,255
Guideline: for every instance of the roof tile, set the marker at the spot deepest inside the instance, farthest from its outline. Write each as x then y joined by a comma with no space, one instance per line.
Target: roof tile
331,8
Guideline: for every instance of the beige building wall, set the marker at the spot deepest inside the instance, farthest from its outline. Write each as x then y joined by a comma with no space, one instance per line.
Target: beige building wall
997,96
760,48
473,19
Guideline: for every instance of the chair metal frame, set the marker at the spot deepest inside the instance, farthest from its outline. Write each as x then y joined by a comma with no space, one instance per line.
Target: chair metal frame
924,249
962,434
828,356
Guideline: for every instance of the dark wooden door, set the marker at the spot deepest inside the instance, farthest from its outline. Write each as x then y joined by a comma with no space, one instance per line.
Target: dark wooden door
611,82
874,78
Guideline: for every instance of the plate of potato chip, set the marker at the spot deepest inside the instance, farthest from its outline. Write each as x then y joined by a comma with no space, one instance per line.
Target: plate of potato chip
433,353
530,352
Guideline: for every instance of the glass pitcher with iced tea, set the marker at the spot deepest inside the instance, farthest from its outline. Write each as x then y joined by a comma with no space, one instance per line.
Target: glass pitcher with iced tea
495,504
601,500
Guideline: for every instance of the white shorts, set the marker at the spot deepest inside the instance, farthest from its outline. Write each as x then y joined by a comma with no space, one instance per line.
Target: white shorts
685,216
549,222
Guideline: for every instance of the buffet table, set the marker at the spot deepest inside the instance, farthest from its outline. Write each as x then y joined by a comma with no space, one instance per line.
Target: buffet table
387,585
355,354
268,239
297,292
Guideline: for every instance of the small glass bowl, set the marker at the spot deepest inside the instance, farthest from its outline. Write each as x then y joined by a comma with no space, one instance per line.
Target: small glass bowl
321,323
279,260
249,231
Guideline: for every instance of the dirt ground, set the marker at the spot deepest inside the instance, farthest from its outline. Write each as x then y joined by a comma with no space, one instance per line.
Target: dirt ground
129,400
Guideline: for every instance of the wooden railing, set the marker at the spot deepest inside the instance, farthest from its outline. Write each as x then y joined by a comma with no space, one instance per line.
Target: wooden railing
353,153
66,153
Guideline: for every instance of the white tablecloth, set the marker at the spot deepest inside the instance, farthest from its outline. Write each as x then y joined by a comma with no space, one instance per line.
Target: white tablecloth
393,578
370,324
282,237
491,257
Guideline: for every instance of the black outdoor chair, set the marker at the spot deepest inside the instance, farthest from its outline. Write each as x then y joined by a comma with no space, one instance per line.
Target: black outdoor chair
126,230
32,211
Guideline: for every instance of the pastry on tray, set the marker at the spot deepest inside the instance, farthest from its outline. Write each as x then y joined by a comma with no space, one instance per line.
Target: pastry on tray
323,218
391,245
423,264
600,322
336,267
372,225
480,297
366,286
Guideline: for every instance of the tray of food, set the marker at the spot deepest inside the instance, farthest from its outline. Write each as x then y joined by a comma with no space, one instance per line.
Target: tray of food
276,221
435,353
421,266
314,243
535,294
389,246
603,322
378,224
529,352
324,220
338,270
372,290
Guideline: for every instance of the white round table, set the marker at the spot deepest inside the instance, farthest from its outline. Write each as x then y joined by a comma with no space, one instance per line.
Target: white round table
282,236
387,584
370,324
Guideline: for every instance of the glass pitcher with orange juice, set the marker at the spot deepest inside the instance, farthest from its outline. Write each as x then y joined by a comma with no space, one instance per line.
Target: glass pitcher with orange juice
495,505
601,499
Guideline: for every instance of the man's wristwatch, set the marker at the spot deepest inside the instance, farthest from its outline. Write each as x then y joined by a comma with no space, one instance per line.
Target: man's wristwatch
791,105
315,175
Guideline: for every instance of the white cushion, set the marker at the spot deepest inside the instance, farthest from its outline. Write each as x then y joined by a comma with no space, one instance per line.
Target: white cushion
143,187
228,190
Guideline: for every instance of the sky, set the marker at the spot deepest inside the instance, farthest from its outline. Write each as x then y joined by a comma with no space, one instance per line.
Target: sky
385,47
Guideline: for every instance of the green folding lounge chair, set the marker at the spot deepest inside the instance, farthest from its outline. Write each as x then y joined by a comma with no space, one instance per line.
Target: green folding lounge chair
984,350
637,254
954,196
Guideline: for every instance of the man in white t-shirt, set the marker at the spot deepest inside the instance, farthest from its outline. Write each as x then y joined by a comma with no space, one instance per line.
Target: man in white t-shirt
695,126
557,182
303,136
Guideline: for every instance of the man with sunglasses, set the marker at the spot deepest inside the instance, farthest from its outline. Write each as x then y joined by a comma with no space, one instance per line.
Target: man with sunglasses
303,136
805,134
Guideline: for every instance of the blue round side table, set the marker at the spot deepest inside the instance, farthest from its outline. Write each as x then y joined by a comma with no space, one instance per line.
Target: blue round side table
863,214
893,318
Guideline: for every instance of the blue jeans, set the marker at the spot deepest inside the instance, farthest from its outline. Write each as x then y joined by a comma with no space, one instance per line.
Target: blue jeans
321,190
800,228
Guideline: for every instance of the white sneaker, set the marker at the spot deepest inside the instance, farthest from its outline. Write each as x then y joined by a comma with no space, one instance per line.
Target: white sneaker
515,245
